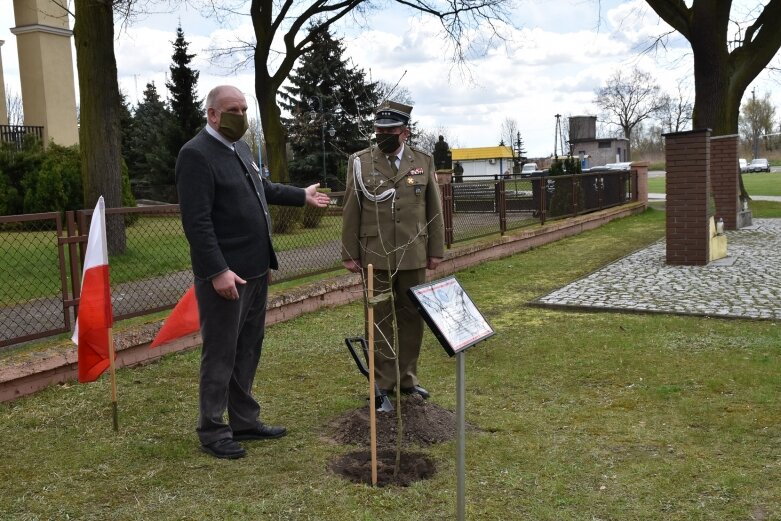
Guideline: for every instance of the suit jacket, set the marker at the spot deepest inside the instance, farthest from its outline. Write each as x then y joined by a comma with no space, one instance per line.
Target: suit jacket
404,230
224,206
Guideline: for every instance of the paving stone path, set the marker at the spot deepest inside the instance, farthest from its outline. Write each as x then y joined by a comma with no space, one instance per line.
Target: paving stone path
747,284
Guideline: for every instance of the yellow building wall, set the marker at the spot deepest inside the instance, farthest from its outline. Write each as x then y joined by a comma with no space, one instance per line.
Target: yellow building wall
46,69
3,107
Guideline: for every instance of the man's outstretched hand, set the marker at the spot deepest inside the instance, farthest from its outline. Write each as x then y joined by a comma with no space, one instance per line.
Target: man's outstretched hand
315,198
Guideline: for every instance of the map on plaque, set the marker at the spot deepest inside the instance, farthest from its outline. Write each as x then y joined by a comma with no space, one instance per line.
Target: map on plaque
451,314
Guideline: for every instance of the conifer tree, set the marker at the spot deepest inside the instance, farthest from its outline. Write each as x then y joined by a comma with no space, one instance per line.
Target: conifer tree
150,161
186,107
125,123
326,93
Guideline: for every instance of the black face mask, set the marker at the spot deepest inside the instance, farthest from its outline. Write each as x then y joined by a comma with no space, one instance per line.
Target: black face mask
388,143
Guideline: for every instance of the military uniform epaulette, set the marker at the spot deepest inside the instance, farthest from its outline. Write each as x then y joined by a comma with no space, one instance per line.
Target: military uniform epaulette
363,152
418,149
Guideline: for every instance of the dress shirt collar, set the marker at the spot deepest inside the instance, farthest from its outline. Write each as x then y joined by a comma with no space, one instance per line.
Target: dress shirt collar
219,137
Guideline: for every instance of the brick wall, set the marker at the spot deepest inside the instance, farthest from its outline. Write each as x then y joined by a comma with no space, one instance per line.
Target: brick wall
688,186
724,179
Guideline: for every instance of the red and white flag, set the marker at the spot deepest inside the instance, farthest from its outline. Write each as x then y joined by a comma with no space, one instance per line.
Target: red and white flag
95,313
184,320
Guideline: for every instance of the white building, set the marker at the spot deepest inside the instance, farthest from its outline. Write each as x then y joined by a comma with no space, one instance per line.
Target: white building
483,162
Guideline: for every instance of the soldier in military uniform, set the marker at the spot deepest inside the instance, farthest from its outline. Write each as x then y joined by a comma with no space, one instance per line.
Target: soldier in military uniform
392,219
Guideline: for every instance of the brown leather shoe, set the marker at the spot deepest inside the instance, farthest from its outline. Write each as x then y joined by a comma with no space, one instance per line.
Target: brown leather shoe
225,448
264,432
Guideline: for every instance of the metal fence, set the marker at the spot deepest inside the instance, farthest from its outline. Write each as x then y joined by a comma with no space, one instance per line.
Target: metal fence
479,207
15,134
42,257
42,254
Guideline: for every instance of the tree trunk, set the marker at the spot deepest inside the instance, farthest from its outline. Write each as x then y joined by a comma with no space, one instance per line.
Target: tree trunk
720,76
273,131
717,92
99,129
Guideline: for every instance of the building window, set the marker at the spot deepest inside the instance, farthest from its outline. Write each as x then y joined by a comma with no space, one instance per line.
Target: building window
604,144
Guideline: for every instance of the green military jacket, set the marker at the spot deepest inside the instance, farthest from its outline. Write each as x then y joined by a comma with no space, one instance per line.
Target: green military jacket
394,220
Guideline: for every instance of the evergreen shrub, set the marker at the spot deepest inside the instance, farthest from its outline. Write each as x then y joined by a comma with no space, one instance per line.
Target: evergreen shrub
284,219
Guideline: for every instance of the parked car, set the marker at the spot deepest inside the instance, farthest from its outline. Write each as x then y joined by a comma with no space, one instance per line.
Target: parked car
625,165
528,169
743,164
759,165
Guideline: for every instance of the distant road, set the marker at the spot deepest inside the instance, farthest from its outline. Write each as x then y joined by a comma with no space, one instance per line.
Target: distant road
661,173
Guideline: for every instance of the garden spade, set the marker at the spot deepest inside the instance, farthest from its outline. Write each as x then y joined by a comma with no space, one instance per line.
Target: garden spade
381,402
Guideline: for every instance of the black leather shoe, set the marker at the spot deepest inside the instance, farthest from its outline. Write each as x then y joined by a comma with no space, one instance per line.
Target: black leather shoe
264,432
225,448
416,389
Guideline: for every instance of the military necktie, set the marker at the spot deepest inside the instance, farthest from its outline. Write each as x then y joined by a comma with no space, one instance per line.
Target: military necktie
392,161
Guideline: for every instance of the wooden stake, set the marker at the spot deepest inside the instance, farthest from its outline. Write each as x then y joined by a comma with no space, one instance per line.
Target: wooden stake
112,368
372,397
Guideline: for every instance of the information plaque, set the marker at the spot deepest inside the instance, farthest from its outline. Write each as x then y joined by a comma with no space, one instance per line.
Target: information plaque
451,314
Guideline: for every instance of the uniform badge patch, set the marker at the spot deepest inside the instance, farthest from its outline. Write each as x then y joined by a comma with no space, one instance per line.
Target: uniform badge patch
410,181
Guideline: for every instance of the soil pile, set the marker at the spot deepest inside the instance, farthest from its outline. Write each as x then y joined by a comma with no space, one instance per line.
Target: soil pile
424,424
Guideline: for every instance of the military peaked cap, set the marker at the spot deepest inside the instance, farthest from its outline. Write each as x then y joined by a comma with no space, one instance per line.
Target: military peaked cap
392,114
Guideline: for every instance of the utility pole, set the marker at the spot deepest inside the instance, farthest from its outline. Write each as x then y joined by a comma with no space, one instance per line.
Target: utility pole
556,138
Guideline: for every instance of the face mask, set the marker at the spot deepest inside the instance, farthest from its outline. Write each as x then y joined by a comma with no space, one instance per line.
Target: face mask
388,143
233,126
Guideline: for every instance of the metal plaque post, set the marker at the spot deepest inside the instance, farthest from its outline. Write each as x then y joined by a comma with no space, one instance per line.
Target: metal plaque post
461,436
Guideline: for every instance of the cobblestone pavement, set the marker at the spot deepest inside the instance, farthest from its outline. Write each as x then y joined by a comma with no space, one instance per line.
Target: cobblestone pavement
746,284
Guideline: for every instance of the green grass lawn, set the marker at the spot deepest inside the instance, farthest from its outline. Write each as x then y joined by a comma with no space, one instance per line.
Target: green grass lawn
756,184
582,416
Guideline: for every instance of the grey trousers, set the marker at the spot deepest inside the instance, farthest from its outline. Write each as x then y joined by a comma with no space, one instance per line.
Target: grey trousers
232,332
410,326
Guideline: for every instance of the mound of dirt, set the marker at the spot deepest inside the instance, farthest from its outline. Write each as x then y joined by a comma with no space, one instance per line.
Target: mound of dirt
424,423
356,466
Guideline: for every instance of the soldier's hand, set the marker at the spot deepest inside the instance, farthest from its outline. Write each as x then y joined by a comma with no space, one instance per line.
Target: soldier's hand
352,265
433,262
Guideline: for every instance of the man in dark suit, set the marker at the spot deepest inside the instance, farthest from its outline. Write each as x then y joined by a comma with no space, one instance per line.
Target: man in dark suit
224,206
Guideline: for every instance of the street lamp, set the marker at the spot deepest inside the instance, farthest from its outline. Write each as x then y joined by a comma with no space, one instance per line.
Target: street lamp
331,132
257,129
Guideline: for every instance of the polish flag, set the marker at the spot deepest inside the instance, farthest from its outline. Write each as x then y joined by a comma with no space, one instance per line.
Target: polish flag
95,318
183,320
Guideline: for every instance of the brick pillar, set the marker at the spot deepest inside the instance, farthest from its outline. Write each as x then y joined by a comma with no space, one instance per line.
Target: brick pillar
641,169
688,186
724,172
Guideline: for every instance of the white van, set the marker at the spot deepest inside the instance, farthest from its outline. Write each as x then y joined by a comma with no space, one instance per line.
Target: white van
528,169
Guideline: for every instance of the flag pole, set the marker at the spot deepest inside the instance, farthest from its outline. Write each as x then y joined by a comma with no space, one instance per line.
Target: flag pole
112,367
372,398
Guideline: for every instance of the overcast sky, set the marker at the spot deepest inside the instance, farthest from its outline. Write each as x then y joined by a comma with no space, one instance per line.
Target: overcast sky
550,63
